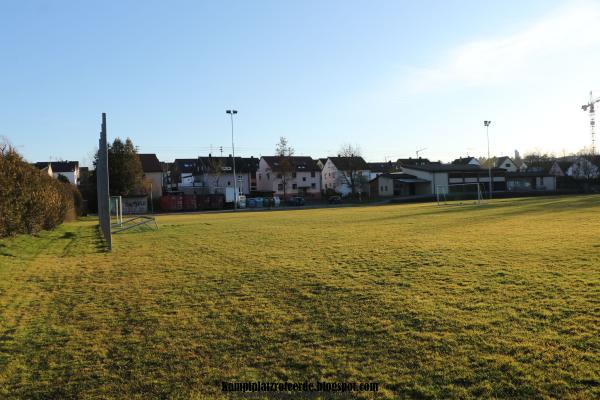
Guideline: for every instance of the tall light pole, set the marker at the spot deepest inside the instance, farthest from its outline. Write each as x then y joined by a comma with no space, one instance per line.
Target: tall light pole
235,196
487,132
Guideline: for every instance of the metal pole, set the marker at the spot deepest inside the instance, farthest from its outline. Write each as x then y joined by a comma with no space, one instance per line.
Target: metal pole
487,131
235,195
151,200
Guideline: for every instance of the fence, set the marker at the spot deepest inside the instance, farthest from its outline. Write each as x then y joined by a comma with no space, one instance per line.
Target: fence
102,185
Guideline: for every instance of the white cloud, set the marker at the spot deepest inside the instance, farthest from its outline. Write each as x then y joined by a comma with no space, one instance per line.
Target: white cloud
494,61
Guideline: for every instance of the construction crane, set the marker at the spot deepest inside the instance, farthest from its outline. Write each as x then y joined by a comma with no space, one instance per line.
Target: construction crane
420,150
592,107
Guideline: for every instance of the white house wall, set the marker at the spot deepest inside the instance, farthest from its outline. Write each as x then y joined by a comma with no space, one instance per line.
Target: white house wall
267,181
334,179
71,176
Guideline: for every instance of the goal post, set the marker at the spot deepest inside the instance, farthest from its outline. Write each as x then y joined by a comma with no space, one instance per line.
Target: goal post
459,194
116,209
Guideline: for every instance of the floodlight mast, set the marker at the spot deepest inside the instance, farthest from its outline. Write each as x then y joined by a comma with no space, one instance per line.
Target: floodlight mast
235,194
487,132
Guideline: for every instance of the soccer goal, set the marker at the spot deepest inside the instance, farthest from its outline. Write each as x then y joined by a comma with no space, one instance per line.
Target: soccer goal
459,194
116,210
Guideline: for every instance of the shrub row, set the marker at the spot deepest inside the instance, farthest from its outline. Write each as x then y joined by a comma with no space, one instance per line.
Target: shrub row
29,199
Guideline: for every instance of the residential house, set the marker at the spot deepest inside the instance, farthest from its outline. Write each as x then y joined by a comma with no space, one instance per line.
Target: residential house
68,169
153,174
210,174
44,168
584,168
414,161
84,174
215,173
378,168
346,175
292,176
468,160
398,184
181,173
507,164
321,163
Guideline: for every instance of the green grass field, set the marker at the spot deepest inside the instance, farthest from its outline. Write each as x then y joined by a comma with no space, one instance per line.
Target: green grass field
501,301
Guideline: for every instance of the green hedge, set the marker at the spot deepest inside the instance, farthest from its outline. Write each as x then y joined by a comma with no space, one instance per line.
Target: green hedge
29,199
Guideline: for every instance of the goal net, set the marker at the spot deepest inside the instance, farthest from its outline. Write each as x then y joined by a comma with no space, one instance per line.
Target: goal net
459,194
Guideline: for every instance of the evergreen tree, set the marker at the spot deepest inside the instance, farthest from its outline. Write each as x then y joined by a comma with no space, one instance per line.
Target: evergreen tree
124,169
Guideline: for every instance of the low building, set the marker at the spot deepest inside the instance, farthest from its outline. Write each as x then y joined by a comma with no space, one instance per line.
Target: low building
398,184
530,181
292,176
441,176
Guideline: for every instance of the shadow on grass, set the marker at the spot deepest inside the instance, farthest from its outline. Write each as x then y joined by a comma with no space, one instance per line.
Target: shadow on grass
4,251
99,242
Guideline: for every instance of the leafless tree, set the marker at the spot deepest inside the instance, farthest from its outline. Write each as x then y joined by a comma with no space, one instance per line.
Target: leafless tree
586,168
209,173
284,152
537,159
353,166
174,175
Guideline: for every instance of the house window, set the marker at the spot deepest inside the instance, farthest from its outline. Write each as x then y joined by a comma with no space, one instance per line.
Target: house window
279,176
507,165
293,174
280,186
313,185
312,174
294,186
259,176
382,188
303,179
268,176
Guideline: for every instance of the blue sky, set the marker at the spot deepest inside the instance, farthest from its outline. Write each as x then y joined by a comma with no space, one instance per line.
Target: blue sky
388,76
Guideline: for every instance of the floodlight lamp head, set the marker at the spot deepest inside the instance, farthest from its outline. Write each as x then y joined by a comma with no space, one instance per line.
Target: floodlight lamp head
487,123
231,111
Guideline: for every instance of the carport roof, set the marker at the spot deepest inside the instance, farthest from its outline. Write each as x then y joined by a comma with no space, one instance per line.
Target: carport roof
402,177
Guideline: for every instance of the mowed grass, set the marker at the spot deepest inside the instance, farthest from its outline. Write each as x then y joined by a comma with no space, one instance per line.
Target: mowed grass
501,301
